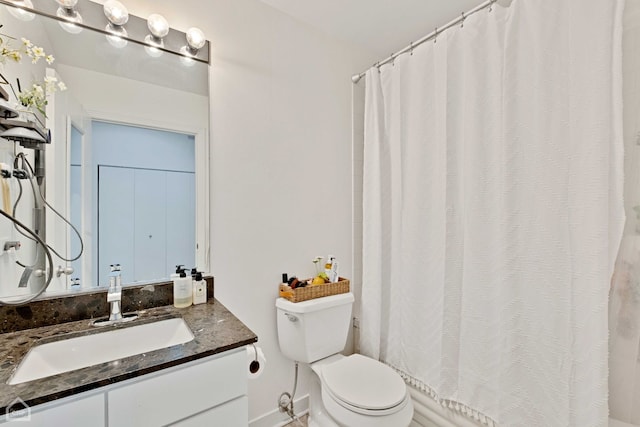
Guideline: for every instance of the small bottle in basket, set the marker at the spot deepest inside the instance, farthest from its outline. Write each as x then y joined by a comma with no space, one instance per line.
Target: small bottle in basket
327,266
334,271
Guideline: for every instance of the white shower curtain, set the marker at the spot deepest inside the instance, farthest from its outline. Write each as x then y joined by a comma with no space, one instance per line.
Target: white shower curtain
492,212
624,299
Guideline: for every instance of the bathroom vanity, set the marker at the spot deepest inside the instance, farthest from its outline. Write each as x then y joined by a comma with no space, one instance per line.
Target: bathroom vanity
200,382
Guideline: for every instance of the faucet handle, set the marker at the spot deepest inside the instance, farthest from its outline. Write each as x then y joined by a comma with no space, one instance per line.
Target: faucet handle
63,270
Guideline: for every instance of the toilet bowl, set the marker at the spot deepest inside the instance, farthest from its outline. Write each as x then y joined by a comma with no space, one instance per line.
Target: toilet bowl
347,391
357,391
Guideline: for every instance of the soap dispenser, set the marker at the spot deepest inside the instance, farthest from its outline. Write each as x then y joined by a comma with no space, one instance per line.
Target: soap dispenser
182,288
199,289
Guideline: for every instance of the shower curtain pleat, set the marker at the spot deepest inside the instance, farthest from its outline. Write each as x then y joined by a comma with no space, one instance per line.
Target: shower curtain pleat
492,211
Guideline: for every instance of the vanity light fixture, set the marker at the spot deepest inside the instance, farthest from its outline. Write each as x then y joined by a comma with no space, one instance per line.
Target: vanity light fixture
159,28
118,16
67,11
18,12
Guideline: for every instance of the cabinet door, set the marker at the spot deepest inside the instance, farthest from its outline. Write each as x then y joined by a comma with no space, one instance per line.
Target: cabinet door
85,412
179,394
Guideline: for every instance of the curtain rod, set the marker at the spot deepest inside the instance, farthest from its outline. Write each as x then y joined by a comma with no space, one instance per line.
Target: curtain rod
460,19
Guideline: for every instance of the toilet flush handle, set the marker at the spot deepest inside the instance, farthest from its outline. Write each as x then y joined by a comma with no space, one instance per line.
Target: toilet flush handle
291,317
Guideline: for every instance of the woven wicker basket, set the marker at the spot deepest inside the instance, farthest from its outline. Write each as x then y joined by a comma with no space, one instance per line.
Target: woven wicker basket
314,291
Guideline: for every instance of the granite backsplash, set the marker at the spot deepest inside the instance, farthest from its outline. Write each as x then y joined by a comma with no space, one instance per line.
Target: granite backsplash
70,308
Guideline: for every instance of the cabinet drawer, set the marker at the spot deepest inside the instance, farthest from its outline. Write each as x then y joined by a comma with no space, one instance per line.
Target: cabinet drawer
230,414
176,395
87,411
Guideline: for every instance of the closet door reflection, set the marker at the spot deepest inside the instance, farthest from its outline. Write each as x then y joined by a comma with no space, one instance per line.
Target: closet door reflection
75,196
145,201
116,211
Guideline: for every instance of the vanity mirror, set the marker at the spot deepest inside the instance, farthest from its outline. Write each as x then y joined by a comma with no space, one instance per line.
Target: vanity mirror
128,160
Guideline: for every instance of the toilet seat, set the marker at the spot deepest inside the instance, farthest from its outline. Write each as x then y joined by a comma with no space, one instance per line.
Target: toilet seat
364,385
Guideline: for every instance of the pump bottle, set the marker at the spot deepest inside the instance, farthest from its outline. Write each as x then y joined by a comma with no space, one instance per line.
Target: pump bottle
182,288
199,289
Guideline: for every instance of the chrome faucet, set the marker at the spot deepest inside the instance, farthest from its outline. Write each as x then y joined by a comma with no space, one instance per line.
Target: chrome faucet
114,297
114,294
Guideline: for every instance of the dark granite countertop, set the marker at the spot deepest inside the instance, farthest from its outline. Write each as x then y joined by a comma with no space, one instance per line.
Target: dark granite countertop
214,327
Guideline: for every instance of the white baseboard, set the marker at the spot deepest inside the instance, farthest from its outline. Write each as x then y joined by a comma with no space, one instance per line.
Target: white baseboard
276,418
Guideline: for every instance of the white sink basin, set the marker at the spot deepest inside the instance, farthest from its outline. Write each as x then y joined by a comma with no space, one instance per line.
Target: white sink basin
75,353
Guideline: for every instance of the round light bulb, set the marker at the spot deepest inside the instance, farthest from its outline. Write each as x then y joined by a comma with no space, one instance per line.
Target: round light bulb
22,14
187,56
72,17
158,26
153,43
116,12
195,38
116,36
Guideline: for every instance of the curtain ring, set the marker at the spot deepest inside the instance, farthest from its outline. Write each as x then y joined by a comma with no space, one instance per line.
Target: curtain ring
411,48
462,20
435,35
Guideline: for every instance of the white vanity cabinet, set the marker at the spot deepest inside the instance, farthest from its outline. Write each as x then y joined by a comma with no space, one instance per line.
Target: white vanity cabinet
211,391
175,396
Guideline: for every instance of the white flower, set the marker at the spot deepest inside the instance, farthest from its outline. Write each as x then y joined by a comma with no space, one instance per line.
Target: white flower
36,96
14,55
37,51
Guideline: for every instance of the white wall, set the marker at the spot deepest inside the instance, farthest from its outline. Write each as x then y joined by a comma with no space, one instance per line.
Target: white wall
281,159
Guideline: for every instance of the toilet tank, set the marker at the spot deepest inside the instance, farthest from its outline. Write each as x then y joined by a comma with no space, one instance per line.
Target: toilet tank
314,329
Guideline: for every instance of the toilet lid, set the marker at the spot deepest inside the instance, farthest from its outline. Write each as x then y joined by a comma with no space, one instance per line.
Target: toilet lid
364,383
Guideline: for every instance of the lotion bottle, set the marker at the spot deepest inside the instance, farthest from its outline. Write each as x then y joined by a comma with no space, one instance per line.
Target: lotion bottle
199,289
182,288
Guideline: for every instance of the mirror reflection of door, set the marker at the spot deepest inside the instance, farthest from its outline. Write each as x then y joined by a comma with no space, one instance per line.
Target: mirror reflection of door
75,197
145,199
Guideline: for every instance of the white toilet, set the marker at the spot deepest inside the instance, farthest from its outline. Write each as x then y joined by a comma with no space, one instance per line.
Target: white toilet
350,391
